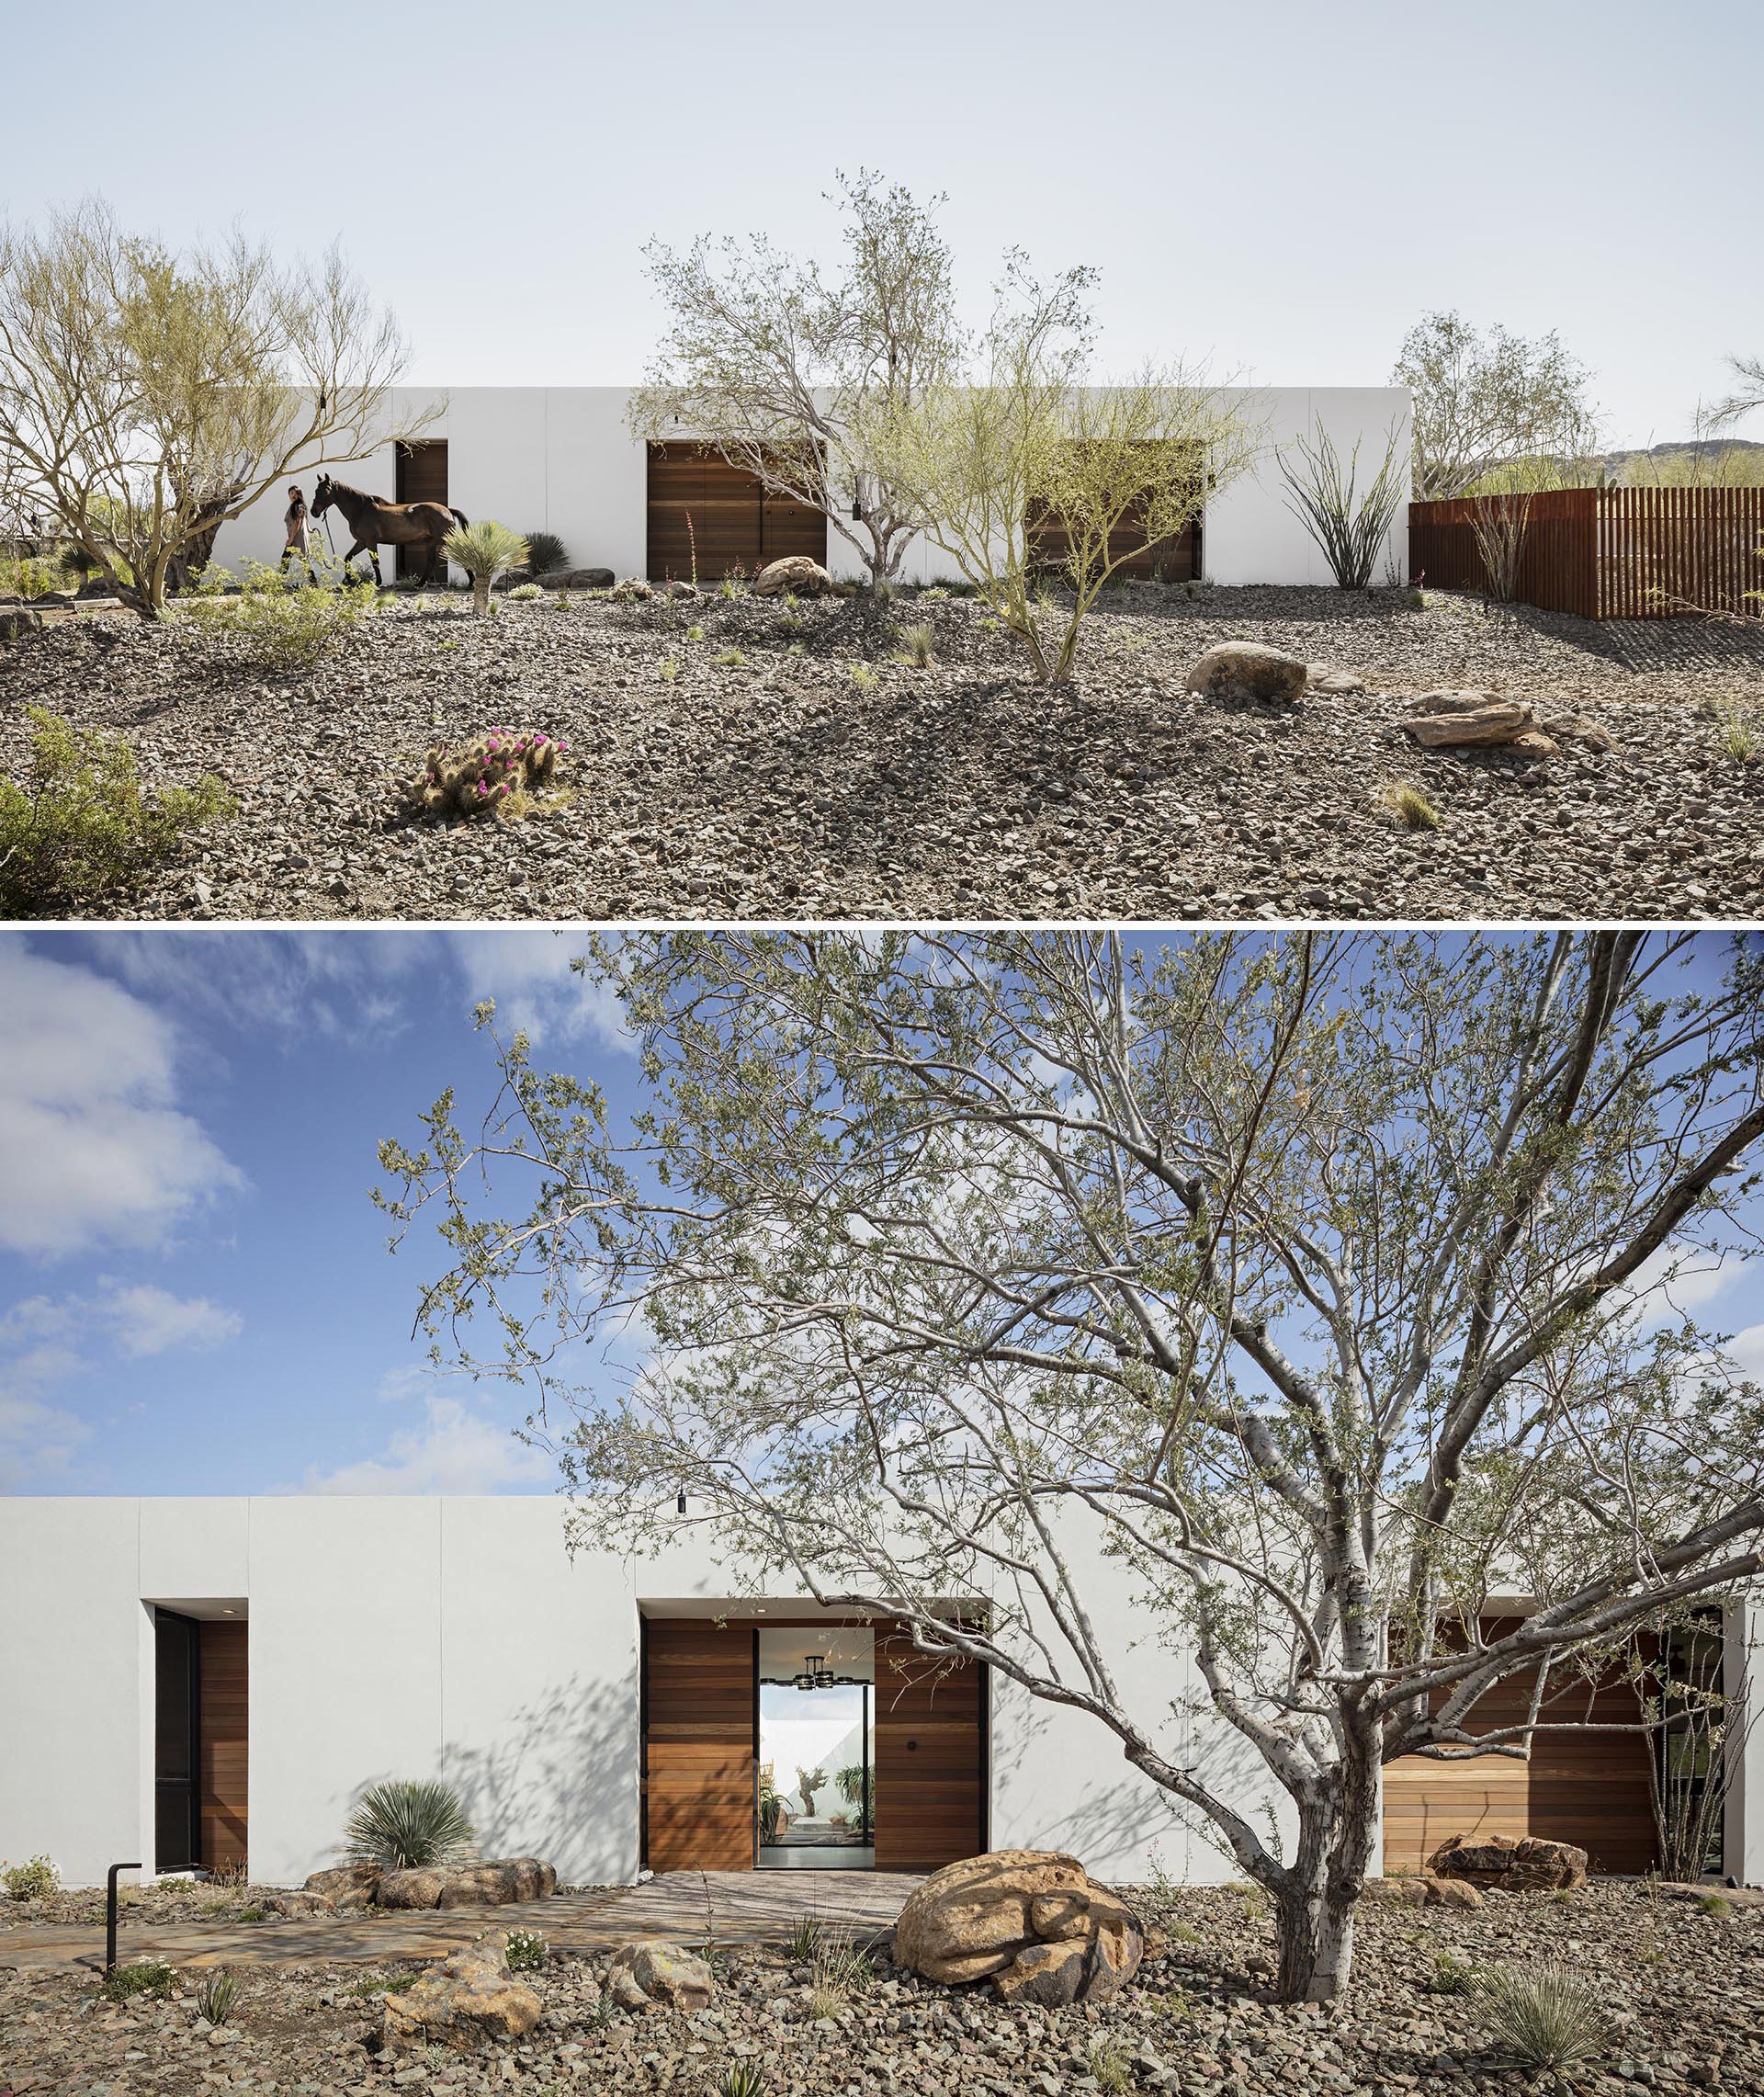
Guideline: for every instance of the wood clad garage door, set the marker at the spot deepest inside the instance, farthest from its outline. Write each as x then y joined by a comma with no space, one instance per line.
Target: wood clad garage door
700,1765
929,1756
422,478
223,1744
733,525
1589,1788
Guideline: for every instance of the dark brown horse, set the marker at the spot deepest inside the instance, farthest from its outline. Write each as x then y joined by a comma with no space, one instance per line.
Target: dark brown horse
376,523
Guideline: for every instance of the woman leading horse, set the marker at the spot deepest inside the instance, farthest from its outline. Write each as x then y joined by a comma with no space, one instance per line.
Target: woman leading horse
374,523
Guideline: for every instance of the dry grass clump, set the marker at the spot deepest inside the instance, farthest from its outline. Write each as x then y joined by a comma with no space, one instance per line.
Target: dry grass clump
491,774
1409,805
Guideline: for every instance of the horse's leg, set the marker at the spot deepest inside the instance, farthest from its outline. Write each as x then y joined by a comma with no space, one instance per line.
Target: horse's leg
373,555
361,546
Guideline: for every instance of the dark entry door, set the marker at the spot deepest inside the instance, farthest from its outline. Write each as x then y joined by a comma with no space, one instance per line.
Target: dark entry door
176,1731
700,1755
930,1762
422,478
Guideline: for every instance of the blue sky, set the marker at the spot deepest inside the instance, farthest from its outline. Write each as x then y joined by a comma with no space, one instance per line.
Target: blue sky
195,1295
1282,185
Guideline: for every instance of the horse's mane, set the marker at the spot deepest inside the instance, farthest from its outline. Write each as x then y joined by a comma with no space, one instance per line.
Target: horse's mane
343,488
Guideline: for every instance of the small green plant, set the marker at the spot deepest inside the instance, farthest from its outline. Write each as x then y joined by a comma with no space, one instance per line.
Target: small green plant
918,646
1417,598
1409,805
669,671
728,658
728,588
1739,729
694,633
863,677
146,1977
35,1879
403,1824
383,1984
1451,1976
30,578
741,2078
527,1951
805,1934
792,624
491,774
253,1914
1179,1932
1109,2067
284,627
81,826
545,552
216,1995
1544,2017
485,551
1714,1904
884,590
525,592
1565,1896
936,594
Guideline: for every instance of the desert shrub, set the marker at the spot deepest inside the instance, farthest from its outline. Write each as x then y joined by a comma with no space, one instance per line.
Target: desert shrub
936,593
403,1823
1451,1976
527,1951
1714,1904
252,1914
485,551
840,1969
215,1997
30,578
728,658
918,646
35,1879
1409,805
1544,2017
1323,492
81,826
482,776
1109,2066
145,1977
525,592
383,1984
1416,599
1739,729
862,677
545,551
284,625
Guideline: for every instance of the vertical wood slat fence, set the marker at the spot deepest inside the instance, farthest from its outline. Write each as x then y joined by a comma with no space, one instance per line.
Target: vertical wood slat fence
1609,553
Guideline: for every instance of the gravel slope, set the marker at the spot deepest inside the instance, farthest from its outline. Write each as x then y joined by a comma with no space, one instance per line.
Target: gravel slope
781,786
1683,1992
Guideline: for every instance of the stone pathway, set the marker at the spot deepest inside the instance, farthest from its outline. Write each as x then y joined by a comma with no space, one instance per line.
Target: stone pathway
736,1906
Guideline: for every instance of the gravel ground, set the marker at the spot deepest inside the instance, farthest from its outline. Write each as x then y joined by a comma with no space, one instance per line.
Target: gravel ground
170,1901
1684,1993
782,786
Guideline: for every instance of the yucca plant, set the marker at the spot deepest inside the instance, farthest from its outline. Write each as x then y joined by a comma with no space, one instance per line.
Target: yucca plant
918,646
485,551
741,2078
215,1997
1544,2017
545,551
404,1824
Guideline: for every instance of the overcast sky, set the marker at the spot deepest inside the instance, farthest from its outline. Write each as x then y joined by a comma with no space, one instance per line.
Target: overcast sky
194,1291
1280,186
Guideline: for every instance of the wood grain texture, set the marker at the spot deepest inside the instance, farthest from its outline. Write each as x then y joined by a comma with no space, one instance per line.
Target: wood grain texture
1589,1788
700,1772
223,1741
420,476
707,516
930,1775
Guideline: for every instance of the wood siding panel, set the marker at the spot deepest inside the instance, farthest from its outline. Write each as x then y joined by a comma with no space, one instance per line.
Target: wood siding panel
1589,1788
222,1754
929,1756
700,1772
733,528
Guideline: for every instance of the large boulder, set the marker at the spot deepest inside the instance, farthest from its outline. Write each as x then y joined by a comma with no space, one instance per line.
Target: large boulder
1526,1864
1031,1920
575,579
1424,1889
486,1885
348,1885
1249,670
298,1904
795,572
648,1973
1447,721
464,2004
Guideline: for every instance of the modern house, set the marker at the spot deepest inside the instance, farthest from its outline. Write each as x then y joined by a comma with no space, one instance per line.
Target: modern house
561,459
184,1681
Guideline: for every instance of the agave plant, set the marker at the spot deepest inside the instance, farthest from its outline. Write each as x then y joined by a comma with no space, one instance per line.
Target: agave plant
1544,2017
403,1824
485,551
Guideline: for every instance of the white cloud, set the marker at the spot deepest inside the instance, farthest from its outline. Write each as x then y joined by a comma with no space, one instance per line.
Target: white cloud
37,1439
149,1320
1747,1351
454,1450
1701,1276
96,1150
530,976
339,984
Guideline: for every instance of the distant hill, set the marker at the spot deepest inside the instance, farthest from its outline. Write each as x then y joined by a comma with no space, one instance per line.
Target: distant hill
1743,458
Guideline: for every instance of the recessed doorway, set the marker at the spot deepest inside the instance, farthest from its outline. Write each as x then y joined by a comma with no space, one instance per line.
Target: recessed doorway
817,1749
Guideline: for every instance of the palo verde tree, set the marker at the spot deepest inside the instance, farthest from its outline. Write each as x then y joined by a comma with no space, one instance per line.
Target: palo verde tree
1316,1281
1482,400
773,365
147,397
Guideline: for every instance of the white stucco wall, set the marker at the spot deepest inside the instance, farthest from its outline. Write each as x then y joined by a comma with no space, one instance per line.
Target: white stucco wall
560,459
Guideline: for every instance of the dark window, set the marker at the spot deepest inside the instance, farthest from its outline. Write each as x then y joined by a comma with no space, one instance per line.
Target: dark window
177,1690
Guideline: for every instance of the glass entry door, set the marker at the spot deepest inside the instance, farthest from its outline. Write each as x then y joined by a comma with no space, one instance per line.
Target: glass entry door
176,1701
817,1727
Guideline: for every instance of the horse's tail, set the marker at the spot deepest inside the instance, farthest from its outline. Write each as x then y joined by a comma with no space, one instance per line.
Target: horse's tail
459,517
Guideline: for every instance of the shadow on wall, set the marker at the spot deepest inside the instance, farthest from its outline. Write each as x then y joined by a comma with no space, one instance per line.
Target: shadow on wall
562,1784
